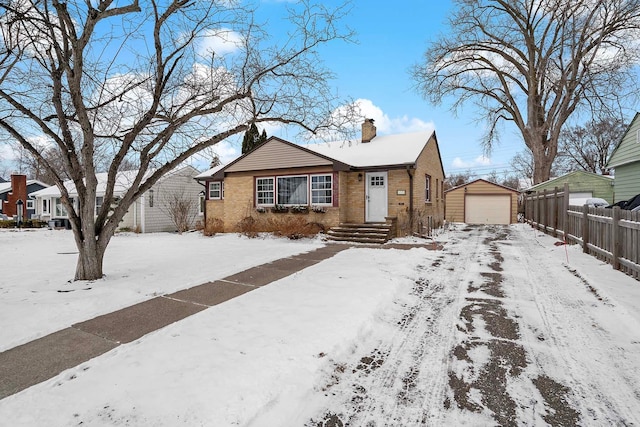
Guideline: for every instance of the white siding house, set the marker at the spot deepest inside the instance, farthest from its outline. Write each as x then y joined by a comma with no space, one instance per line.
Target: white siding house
148,214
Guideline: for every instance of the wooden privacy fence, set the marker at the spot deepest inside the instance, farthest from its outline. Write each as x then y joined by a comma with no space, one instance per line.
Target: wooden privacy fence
612,235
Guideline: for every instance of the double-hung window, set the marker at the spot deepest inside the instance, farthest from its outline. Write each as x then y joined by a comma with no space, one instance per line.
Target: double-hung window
216,191
321,189
293,190
265,191
99,202
427,189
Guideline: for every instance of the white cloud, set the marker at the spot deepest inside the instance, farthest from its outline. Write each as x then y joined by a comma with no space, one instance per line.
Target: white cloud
481,160
222,41
391,125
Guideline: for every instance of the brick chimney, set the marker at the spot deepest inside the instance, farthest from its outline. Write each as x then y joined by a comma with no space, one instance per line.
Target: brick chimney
368,130
18,192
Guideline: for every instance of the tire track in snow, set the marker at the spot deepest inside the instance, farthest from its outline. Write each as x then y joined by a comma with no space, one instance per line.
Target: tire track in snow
404,381
567,334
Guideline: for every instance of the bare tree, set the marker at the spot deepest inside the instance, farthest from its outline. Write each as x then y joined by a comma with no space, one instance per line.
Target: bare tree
522,166
534,63
148,83
181,207
458,179
589,147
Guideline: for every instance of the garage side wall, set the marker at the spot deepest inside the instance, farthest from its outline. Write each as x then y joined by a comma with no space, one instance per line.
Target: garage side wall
454,211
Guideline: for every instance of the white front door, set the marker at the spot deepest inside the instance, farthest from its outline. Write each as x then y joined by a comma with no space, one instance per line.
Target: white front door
376,197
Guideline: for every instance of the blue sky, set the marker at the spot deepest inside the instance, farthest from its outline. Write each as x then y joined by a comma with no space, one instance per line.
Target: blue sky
391,37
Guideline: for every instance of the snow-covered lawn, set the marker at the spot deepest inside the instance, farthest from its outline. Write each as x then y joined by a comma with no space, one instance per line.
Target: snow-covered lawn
38,295
499,327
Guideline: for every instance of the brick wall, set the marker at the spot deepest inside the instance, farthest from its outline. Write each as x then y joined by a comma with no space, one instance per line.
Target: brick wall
18,192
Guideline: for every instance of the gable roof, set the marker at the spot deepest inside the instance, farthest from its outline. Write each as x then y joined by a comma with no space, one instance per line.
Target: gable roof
589,175
5,187
483,180
382,151
628,148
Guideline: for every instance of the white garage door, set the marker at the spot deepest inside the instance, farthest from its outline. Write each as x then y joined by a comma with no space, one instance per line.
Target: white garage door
487,209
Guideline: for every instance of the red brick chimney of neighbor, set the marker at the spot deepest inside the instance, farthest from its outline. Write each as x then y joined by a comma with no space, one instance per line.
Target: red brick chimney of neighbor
368,130
18,192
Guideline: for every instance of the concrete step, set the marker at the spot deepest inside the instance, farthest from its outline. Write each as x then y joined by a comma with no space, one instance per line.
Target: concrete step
360,233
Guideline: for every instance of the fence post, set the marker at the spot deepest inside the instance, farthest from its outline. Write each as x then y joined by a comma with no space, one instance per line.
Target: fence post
585,229
556,207
565,210
615,241
545,211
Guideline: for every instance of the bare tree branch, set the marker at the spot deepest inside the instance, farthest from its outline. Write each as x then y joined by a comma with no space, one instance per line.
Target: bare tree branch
535,63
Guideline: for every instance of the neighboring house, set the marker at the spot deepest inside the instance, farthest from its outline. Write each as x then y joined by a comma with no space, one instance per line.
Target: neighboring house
482,202
373,180
625,161
582,186
148,214
19,188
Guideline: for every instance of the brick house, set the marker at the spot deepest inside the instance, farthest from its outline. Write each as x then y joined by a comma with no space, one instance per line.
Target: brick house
394,178
19,188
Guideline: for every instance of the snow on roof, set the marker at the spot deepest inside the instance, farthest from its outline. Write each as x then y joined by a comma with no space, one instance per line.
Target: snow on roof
210,172
6,186
123,182
381,151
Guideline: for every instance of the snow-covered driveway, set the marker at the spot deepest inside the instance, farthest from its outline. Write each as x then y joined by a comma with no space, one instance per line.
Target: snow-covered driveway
501,326
497,329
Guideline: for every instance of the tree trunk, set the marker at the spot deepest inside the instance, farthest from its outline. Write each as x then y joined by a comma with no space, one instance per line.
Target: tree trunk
90,258
541,169
544,151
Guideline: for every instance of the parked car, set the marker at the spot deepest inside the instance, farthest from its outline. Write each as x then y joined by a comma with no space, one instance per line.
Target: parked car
633,204
596,202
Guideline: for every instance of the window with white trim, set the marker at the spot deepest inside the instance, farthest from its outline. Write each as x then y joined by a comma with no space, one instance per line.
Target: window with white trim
216,190
99,202
201,204
293,190
59,211
321,189
46,206
265,191
30,204
427,189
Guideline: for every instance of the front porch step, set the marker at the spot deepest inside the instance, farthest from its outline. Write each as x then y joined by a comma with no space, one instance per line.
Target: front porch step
360,233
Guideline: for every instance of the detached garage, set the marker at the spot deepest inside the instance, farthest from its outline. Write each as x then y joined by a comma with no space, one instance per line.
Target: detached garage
481,202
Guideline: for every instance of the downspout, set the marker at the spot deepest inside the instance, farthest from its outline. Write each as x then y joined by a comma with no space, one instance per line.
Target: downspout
410,197
142,213
204,210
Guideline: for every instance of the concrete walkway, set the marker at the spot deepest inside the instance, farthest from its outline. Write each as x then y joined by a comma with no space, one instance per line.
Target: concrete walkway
41,359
